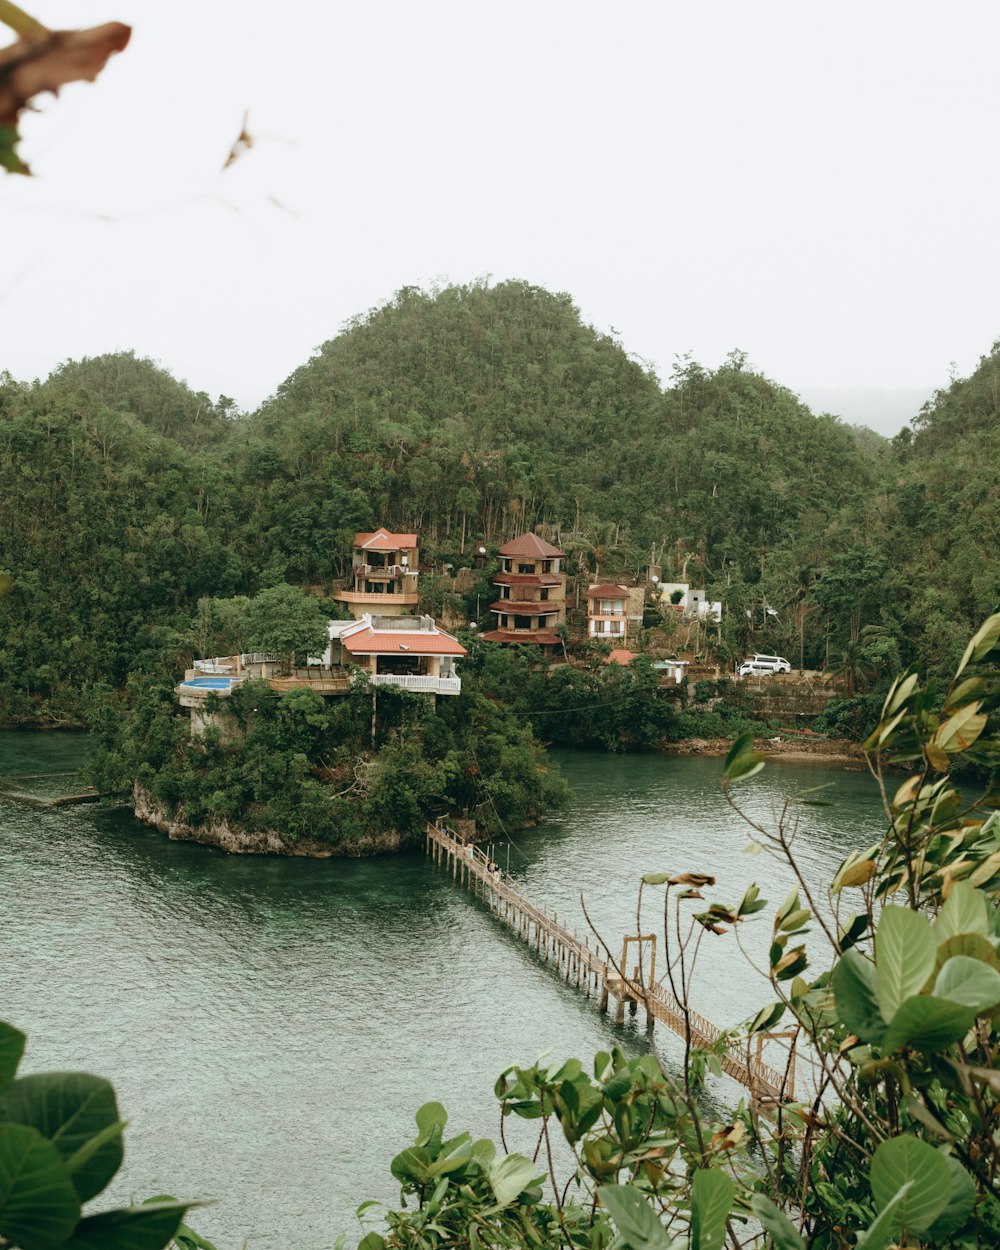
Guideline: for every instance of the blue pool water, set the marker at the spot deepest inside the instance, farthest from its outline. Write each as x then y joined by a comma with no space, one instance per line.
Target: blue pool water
211,683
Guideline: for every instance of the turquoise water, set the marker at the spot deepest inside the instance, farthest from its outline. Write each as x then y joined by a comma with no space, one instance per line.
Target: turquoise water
212,683
272,1024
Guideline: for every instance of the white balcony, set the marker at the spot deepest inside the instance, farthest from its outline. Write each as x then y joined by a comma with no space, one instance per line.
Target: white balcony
417,682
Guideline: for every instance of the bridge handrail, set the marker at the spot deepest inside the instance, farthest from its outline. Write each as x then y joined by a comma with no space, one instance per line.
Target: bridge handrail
711,1034
736,1061
495,876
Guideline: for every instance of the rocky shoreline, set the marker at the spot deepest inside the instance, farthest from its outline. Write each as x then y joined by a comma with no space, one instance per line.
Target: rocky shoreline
839,752
244,842
795,749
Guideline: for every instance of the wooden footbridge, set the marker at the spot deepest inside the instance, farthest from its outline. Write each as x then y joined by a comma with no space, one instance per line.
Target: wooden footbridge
586,963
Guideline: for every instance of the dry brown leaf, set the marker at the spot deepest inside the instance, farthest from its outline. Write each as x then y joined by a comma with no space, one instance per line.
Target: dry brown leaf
47,62
243,143
697,879
729,1138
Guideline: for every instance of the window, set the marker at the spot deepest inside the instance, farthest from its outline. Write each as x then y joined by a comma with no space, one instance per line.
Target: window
522,622
546,566
544,594
526,568
504,592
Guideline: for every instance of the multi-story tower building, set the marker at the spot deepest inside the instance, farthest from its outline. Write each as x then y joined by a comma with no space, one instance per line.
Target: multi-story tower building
531,591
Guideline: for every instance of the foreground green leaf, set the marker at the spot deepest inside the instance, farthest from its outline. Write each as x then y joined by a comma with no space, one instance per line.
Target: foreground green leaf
638,1224
711,1201
511,1176
776,1224
883,1228
960,1206
11,1050
147,1227
9,159
965,911
927,1023
905,954
981,643
38,1202
903,1159
430,1116
855,989
970,982
742,761
70,1109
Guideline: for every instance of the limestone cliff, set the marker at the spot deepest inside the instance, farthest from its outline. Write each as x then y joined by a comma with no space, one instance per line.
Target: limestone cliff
245,842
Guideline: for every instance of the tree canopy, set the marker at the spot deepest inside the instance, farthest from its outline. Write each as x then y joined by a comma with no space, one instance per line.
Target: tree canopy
287,621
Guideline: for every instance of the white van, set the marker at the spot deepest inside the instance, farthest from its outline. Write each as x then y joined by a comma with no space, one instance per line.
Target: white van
763,665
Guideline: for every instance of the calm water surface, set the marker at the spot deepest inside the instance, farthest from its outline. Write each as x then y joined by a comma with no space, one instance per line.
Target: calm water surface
271,1025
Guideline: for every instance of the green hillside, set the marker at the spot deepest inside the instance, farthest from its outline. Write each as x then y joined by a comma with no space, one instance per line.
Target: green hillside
469,415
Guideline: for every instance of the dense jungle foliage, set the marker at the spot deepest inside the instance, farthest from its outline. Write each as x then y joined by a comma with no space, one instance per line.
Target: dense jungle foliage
471,414
350,772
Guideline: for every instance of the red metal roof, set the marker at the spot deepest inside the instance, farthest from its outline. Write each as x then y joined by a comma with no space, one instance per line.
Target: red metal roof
541,637
527,579
369,641
533,547
382,540
619,657
607,591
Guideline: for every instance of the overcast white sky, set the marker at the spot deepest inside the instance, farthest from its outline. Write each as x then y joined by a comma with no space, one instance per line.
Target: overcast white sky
815,183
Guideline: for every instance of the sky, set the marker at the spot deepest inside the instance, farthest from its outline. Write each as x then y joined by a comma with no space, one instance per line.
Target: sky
814,184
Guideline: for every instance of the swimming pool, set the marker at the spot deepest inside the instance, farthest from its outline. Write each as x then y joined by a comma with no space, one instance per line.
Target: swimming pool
212,683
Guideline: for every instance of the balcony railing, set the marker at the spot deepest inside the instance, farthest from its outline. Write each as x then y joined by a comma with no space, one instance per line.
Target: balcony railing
381,571
375,596
415,681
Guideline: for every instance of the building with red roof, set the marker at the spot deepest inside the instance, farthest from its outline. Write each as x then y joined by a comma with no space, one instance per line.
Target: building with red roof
618,656
614,613
606,613
531,593
410,652
384,571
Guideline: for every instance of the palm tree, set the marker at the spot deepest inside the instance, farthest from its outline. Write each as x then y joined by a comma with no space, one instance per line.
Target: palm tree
856,666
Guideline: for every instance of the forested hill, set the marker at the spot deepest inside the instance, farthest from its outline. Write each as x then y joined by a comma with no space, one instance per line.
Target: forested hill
943,521
128,384
495,409
492,404
469,415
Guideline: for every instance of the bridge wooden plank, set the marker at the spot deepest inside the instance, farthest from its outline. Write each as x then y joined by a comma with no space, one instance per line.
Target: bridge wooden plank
471,866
